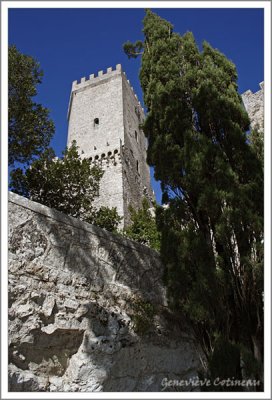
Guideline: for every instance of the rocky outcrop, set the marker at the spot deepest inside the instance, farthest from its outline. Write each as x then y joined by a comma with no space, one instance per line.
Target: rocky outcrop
87,309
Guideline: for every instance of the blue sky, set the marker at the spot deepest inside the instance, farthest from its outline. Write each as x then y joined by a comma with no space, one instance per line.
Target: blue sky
72,43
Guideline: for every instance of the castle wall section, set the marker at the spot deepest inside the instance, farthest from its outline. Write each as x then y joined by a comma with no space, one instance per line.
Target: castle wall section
111,184
254,104
136,171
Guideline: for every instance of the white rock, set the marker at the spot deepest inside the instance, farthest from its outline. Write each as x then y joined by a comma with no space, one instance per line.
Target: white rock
48,305
24,310
72,304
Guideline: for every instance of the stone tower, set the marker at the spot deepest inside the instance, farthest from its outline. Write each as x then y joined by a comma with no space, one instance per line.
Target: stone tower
104,118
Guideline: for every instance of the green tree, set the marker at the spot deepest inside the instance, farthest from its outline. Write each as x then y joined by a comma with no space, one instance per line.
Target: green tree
212,232
68,184
29,127
143,227
256,138
107,218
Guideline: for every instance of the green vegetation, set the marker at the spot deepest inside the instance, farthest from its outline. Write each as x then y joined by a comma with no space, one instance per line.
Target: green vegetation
212,181
143,227
107,218
143,316
30,129
257,142
68,184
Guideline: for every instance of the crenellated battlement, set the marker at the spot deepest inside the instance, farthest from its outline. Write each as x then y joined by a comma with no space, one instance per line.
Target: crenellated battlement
93,78
100,76
248,95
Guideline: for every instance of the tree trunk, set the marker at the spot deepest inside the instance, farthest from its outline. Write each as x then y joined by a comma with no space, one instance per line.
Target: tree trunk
258,354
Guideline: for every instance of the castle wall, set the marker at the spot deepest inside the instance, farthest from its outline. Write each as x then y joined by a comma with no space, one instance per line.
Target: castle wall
111,184
254,104
87,309
136,171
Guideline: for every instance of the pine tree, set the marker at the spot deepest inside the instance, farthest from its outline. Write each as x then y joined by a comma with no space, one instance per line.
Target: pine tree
212,232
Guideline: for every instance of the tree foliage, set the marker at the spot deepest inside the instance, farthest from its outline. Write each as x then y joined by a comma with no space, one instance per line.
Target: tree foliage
212,179
69,184
143,227
107,218
29,127
133,50
256,138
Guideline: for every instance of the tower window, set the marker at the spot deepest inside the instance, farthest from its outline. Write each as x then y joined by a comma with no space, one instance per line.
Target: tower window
96,121
136,135
137,165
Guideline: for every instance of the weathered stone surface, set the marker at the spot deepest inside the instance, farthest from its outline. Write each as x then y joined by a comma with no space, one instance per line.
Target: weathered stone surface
87,309
254,104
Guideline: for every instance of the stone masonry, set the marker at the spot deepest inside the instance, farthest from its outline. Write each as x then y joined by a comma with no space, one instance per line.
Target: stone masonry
105,118
254,105
87,309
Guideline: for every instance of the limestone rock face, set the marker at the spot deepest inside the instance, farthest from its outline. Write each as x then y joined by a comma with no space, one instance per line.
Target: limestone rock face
87,309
